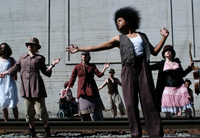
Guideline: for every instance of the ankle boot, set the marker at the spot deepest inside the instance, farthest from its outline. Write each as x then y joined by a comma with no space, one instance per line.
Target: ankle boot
47,132
32,134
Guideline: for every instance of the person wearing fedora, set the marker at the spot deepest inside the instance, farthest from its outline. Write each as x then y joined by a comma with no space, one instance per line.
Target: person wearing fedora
8,87
32,86
114,99
89,100
135,50
172,94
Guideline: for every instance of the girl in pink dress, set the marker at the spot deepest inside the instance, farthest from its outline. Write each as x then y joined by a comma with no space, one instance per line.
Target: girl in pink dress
170,83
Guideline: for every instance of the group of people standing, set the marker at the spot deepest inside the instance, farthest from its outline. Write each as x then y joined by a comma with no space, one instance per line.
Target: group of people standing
170,95
136,74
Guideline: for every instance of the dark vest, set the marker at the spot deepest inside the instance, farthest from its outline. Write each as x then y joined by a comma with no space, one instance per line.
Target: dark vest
127,49
112,87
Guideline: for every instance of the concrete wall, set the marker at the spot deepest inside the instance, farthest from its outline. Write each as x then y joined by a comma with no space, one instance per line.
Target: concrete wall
57,23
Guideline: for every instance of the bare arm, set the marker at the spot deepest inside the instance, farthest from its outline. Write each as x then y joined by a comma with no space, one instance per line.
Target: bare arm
155,50
63,96
114,42
104,84
118,81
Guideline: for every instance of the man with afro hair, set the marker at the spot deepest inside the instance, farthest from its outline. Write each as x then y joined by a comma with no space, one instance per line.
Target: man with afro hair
135,50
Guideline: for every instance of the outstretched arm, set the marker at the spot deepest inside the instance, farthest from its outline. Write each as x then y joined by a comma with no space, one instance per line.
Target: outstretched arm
114,42
104,84
155,50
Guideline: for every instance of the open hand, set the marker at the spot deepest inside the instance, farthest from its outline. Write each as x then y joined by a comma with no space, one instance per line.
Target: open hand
72,49
56,61
106,65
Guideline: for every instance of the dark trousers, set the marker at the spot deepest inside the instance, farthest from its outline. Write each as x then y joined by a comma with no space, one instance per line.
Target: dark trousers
138,79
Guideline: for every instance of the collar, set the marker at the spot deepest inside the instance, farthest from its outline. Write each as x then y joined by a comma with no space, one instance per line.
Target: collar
86,65
34,56
25,55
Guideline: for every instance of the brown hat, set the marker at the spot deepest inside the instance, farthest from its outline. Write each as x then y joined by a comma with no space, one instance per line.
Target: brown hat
66,84
170,48
34,41
111,71
85,53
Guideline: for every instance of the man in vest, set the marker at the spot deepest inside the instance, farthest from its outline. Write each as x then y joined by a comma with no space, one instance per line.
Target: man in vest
114,99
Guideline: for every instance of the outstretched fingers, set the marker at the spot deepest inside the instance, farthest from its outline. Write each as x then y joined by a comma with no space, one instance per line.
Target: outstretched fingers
72,48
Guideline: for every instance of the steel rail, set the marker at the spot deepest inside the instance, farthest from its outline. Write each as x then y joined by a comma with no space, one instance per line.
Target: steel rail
105,119
169,126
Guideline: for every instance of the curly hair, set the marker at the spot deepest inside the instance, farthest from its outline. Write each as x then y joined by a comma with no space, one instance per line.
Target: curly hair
187,80
130,15
7,48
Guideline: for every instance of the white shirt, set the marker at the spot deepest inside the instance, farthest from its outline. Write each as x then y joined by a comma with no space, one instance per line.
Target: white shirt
137,45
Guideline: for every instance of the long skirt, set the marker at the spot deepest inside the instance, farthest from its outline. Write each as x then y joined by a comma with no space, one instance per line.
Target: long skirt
88,104
175,99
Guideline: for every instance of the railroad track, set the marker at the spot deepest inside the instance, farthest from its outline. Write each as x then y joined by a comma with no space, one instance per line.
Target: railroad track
118,125
105,119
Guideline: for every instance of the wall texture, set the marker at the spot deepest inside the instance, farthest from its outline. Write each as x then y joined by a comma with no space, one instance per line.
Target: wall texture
57,23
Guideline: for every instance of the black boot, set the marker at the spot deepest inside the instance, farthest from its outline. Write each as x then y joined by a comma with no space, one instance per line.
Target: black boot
32,134
47,132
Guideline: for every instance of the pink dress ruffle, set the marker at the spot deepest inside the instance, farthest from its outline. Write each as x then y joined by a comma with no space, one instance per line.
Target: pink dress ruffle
175,98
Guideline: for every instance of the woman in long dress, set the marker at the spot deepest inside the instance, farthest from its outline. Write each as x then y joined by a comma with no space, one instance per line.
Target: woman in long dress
8,87
170,83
